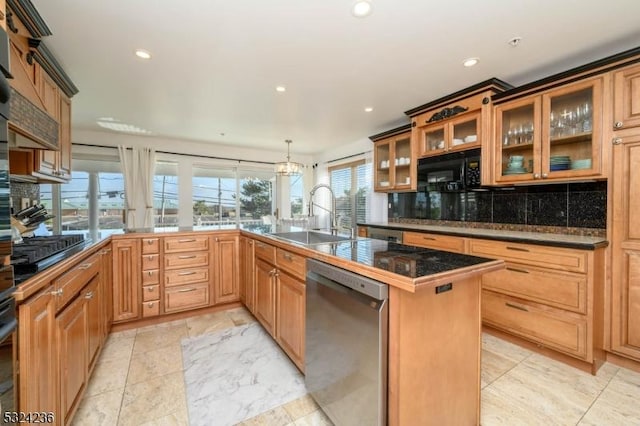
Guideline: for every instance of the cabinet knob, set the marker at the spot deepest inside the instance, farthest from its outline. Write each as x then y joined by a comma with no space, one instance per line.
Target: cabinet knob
618,125
616,141
151,289
536,175
89,295
217,239
150,304
544,176
57,292
150,273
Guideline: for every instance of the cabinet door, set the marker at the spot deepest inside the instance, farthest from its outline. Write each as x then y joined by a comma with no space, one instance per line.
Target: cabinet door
50,96
433,139
106,277
404,169
227,287
625,280
383,161
291,317
72,339
37,355
64,155
93,297
627,98
126,279
265,309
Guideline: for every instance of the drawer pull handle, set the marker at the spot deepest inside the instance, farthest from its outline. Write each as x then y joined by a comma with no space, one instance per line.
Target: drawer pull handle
187,257
85,266
429,238
191,240
89,295
517,248
520,308
522,271
288,257
150,242
150,304
151,257
151,289
186,290
57,292
186,273
150,273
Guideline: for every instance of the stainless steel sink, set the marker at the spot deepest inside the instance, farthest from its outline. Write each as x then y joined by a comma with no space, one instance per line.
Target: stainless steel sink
309,237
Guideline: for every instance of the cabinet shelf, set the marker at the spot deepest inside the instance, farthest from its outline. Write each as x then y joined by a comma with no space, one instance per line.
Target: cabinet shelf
517,147
579,137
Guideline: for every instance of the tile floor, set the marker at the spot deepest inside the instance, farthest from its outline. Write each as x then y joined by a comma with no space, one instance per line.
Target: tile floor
139,381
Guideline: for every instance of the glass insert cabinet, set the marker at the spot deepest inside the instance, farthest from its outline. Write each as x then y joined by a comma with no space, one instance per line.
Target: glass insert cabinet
552,135
395,167
451,135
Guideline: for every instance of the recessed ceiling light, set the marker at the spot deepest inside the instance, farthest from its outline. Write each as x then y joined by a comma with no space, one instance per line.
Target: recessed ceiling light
361,9
281,89
368,109
144,54
469,62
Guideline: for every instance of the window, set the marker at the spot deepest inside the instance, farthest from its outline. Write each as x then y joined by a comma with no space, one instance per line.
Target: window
74,205
351,185
256,195
214,196
296,195
165,194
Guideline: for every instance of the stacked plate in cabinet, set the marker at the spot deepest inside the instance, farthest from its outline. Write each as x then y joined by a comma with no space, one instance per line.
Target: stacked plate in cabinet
560,162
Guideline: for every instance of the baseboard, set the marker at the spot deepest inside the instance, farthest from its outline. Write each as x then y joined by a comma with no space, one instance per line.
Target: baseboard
622,361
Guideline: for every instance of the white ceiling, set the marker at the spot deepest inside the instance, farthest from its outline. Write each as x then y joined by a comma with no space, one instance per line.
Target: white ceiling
216,63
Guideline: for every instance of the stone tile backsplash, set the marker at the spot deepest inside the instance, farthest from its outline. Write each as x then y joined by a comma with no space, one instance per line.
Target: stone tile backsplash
573,205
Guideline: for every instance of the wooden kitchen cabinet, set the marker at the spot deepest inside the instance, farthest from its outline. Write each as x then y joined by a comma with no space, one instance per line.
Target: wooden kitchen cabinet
625,246
626,105
247,269
95,300
37,354
455,134
554,135
150,280
126,279
394,161
265,301
187,274
226,268
106,274
434,241
290,316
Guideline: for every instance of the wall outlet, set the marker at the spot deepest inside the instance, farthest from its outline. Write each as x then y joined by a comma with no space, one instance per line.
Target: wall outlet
24,203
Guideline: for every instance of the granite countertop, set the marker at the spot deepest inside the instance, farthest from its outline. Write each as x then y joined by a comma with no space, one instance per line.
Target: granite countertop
539,238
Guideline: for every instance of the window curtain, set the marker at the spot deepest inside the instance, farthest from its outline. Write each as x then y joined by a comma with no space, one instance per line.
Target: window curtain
147,159
129,160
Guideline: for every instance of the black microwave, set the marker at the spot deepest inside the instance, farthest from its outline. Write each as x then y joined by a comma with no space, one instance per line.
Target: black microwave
453,172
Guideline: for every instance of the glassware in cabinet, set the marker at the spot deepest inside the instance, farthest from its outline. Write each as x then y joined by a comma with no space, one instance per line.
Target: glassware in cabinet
517,140
402,162
383,160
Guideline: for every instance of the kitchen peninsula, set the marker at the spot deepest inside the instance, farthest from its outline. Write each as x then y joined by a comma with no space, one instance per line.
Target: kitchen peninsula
434,296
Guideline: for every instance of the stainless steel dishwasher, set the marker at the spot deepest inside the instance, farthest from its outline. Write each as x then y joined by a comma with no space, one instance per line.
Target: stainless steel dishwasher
346,344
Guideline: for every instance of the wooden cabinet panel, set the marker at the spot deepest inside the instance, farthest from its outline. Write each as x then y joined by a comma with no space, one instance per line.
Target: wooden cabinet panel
72,339
627,98
247,282
394,163
186,297
292,263
69,284
50,96
151,277
226,264
37,354
290,318
264,251
435,241
150,261
151,309
150,245
106,274
552,328
185,276
150,293
265,309
551,257
94,300
182,244
64,155
190,260
560,289
126,279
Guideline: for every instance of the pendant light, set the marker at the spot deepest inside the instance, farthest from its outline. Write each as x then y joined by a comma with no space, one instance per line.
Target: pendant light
288,168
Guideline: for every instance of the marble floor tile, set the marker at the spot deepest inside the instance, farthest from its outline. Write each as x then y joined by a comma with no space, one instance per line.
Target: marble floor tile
505,349
208,323
118,348
494,365
240,316
159,337
152,399
99,410
147,365
316,418
109,375
276,417
179,418
301,407
166,324
619,403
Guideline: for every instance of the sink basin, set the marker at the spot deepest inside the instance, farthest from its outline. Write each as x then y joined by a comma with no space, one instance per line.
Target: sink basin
309,237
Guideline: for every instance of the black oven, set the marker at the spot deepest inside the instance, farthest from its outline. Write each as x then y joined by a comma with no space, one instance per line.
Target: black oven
8,322
454,172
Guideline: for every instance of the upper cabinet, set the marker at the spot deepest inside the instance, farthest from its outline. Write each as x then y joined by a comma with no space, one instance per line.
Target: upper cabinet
552,135
455,134
394,161
627,98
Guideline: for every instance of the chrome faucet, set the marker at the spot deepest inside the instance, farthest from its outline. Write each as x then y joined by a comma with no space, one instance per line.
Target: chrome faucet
334,218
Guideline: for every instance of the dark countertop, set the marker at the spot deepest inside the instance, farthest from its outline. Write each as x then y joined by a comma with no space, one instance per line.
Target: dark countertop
546,239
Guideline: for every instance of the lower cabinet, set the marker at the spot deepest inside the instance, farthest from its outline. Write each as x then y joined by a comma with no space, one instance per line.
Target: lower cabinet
247,273
290,317
265,303
226,264
126,279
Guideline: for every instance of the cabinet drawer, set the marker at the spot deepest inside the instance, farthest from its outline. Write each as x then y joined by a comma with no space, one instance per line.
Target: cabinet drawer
563,290
292,263
189,260
182,244
150,245
561,330
186,297
435,241
150,292
186,276
70,283
151,276
548,257
151,308
265,251
150,261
